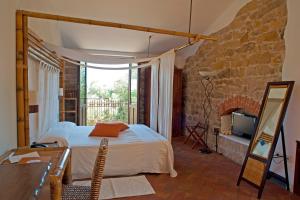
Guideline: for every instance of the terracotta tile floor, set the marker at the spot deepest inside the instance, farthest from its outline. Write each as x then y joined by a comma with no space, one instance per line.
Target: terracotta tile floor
206,177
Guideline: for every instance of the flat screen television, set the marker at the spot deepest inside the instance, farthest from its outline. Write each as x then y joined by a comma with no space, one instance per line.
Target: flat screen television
243,125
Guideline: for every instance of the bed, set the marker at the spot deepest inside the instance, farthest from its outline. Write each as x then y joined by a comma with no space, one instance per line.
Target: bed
138,149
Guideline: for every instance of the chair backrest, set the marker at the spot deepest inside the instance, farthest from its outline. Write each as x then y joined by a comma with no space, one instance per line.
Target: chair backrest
99,169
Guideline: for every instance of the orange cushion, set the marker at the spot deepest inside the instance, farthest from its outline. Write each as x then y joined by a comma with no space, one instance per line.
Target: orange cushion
108,129
123,126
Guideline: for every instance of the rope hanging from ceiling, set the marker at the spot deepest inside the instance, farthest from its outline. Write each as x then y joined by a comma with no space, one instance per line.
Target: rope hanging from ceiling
190,20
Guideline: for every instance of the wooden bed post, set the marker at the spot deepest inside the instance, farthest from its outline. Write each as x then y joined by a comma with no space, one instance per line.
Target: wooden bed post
25,79
22,80
62,98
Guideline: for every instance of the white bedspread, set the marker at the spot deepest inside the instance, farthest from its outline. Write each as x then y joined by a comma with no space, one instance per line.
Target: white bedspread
137,150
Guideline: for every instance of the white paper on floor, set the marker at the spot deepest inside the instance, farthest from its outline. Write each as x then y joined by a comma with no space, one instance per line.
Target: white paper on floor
122,187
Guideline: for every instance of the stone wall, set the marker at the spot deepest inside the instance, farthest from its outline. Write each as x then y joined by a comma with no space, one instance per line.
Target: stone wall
249,53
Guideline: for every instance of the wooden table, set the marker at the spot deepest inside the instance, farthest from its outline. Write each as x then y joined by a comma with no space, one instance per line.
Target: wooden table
27,181
60,169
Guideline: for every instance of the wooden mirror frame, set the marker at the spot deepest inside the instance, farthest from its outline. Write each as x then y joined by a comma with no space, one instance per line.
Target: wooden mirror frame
255,168
266,136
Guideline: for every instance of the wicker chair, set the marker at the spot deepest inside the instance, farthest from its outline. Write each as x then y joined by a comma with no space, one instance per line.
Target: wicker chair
75,192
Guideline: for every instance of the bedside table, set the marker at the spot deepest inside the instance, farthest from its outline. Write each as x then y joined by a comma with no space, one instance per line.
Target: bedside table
60,170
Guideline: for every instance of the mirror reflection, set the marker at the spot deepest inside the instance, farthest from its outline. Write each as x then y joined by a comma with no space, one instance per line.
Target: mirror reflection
268,121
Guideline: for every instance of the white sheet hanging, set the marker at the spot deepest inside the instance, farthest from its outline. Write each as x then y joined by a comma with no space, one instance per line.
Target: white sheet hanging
33,84
161,105
154,94
165,105
99,59
107,58
48,97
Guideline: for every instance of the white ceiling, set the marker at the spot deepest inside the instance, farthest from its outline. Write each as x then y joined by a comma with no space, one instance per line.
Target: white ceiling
166,14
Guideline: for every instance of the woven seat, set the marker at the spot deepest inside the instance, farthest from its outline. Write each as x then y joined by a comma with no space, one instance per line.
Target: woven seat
75,192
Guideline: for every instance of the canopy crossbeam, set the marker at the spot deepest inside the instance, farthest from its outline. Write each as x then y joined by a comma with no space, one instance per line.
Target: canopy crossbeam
113,25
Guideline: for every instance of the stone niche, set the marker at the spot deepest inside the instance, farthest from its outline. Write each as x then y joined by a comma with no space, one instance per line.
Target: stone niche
249,53
236,104
232,146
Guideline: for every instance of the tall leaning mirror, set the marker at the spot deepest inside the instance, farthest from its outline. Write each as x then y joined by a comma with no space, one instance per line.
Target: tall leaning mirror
268,128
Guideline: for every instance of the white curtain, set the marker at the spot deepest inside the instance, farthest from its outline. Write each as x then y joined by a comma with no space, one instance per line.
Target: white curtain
48,97
161,105
33,84
154,94
165,107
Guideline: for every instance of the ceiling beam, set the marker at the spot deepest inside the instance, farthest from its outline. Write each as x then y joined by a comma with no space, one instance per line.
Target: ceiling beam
114,25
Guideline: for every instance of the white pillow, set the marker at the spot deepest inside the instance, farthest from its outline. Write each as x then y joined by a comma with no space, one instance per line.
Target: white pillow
65,124
59,134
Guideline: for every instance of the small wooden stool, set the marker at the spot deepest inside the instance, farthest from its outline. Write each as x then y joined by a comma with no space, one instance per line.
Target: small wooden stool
197,132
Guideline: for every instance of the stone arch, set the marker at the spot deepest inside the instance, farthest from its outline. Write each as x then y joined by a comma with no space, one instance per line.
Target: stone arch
231,104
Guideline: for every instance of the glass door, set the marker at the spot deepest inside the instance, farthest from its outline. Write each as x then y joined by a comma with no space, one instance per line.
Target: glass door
108,95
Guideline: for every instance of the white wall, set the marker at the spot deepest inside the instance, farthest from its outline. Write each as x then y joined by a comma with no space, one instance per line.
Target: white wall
47,30
291,71
8,124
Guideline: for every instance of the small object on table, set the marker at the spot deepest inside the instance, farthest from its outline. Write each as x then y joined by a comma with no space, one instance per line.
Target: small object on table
46,159
16,158
44,144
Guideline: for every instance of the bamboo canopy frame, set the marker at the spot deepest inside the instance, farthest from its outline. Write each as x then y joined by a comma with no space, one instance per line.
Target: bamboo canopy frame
26,39
22,98
37,48
113,25
28,44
